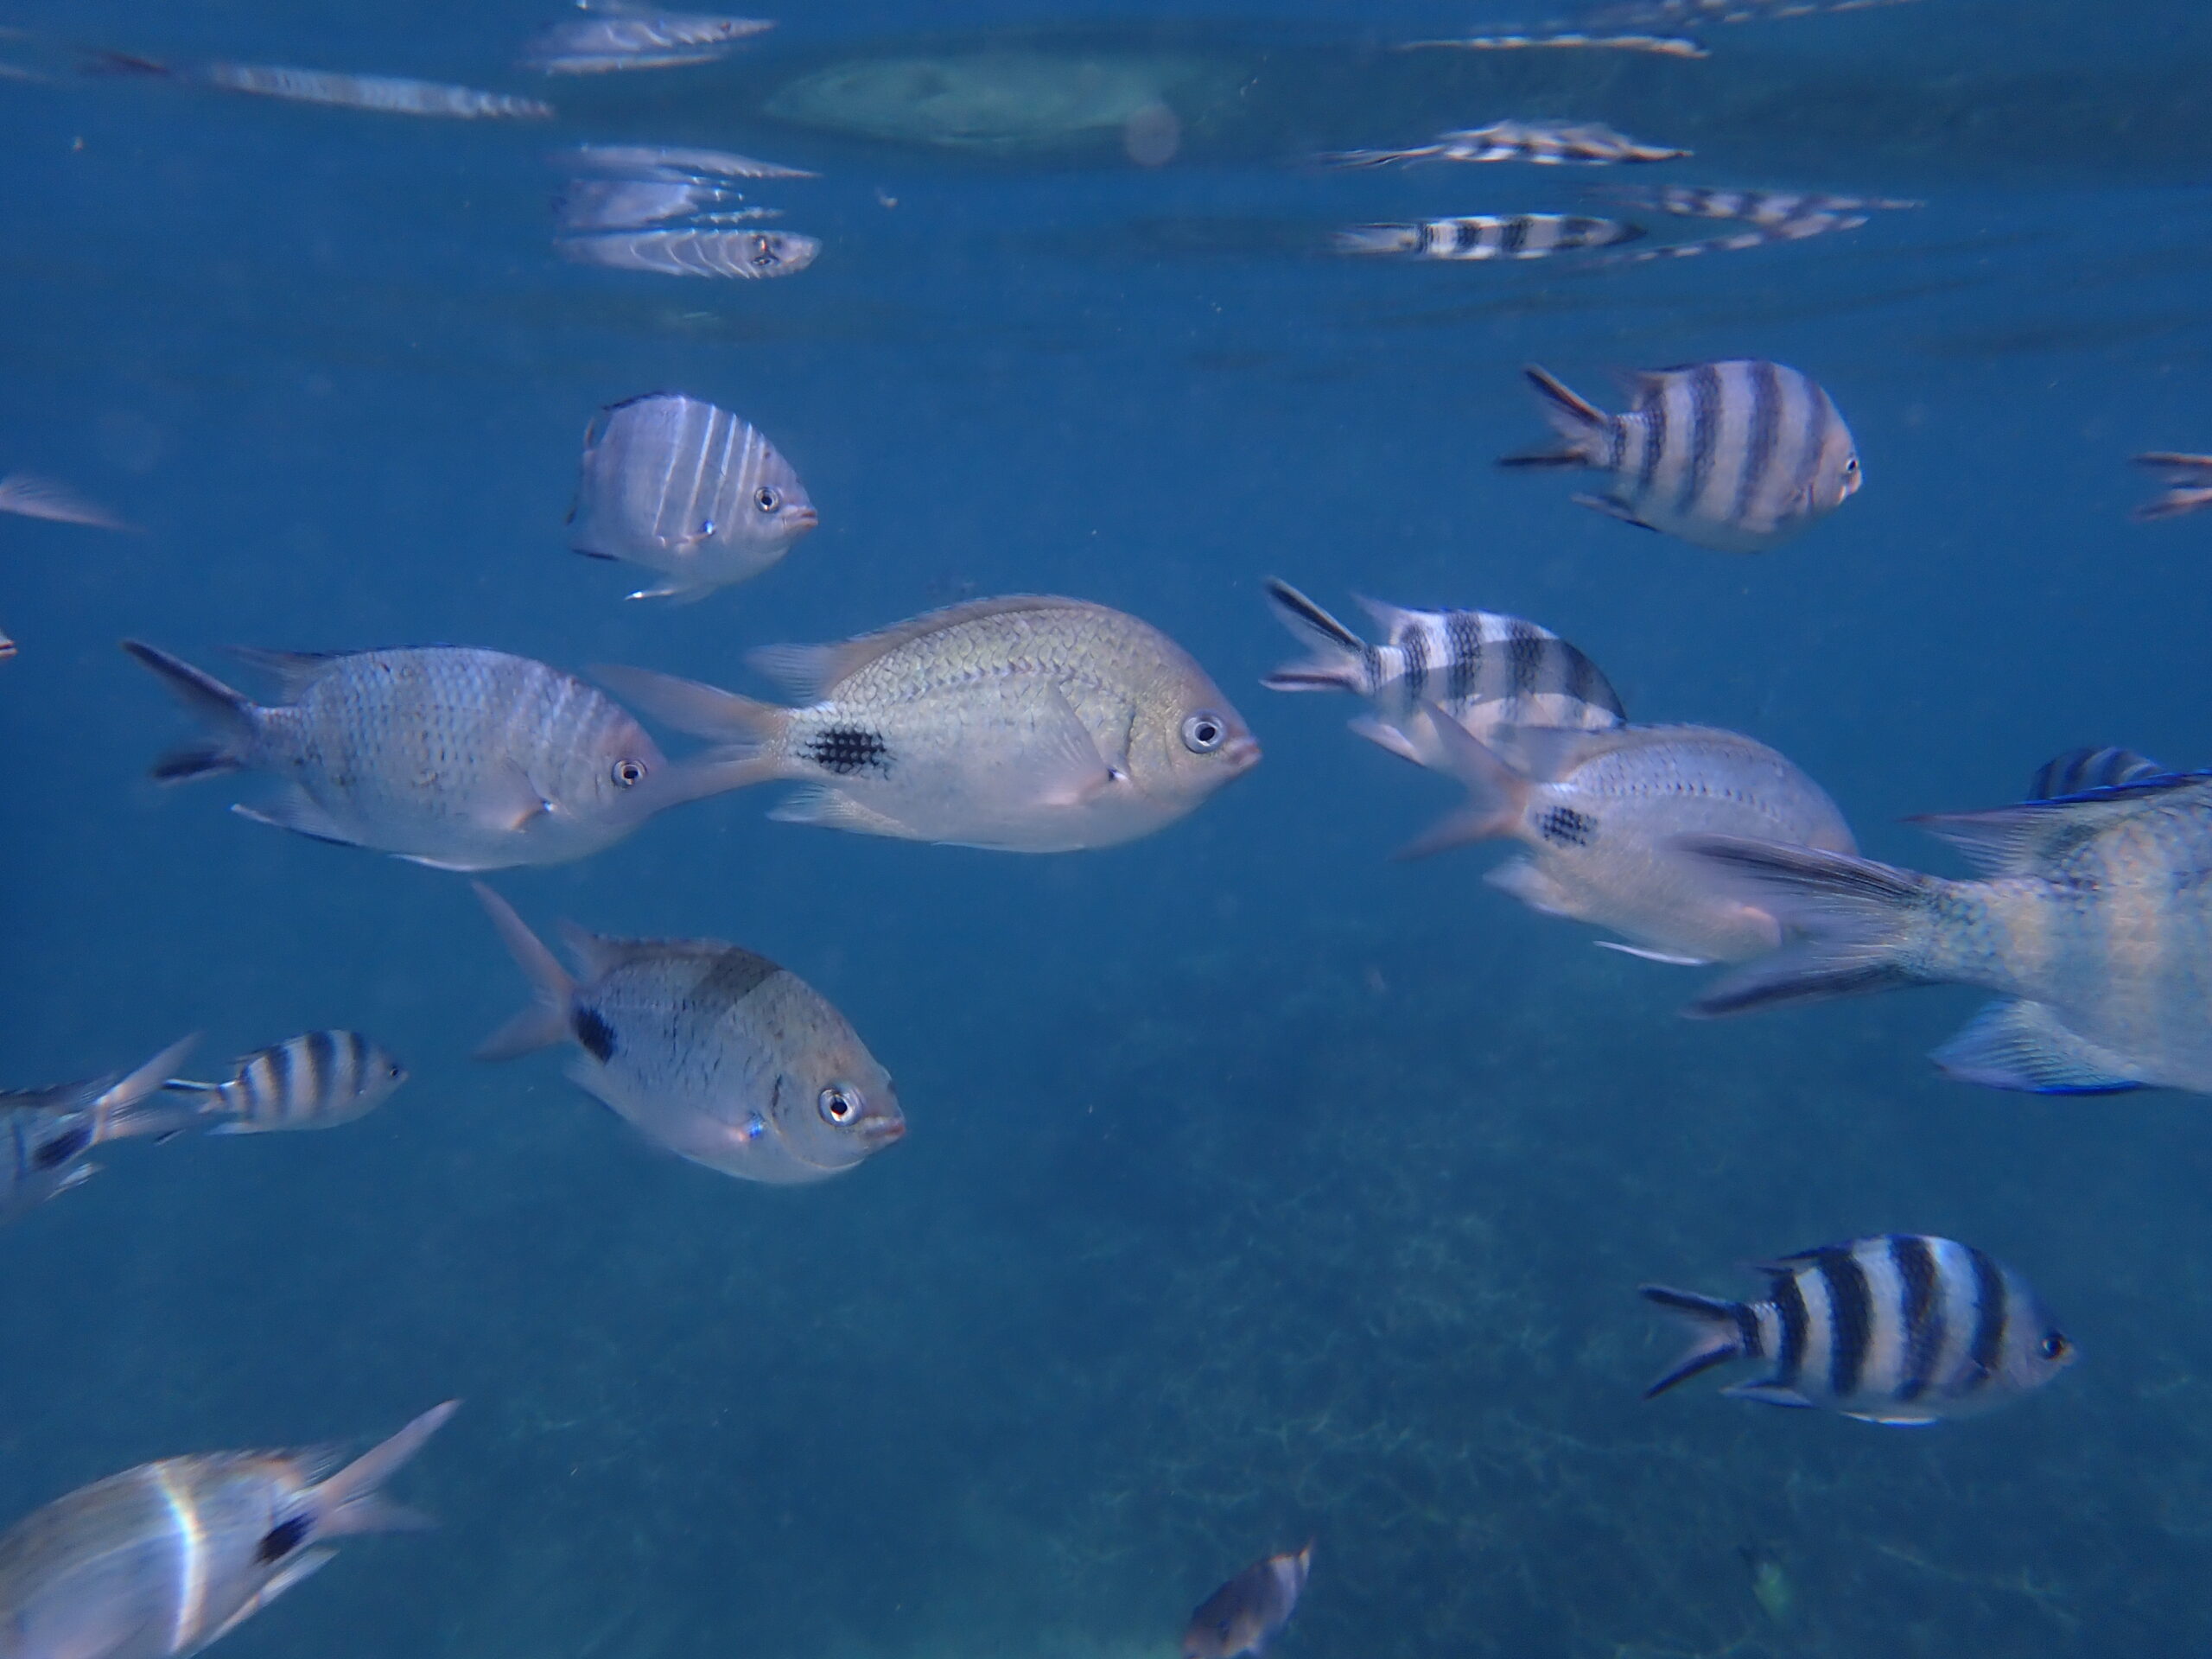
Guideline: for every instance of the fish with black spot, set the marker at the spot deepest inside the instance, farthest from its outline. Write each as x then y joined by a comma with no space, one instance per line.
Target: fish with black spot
713,1051
47,1134
1902,1328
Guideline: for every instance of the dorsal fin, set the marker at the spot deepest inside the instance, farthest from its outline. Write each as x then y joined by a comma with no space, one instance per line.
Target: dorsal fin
2025,839
597,955
294,671
811,670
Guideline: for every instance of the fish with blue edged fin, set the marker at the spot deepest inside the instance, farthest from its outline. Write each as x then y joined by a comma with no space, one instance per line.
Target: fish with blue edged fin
1248,1611
1902,1328
450,756
163,1560
2187,479
708,1050
1026,724
47,1136
1737,457
2078,771
314,1080
2092,923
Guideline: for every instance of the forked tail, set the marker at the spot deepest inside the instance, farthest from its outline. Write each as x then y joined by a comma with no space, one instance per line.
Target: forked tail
349,1502
1719,1332
1580,426
1338,657
233,719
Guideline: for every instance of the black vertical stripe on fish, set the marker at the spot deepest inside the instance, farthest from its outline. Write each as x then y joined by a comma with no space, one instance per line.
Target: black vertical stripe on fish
1790,1303
1525,656
1763,439
1988,1345
1819,418
1850,1319
322,1066
1747,1329
1924,1313
1704,394
1514,233
52,1154
1464,647
1414,645
1655,446
279,1077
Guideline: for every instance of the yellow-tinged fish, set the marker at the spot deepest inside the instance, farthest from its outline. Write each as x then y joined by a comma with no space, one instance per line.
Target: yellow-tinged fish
1025,724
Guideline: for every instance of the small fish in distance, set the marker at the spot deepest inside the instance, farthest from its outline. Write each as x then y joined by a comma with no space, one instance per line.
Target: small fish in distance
2079,770
691,490
1027,724
41,498
1248,1611
1544,144
316,1081
2188,485
1664,45
1738,456
1488,235
1903,1329
47,1134
163,1560
452,757
714,1052
614,38
707,251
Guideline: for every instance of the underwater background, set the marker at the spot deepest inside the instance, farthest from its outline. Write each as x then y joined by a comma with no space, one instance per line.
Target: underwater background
1256,1187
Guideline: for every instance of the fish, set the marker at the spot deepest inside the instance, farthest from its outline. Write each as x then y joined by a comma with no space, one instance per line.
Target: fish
1751,207
2188,481
678,486
1544,144
674,162
448,755
1248,1612
6,647
1901,1329
381,94
639,204
1661,13
1025,724
316,1081
1488,671
2079,770
1737,457
48,1134
708,1050
612,38
2090,923
41,498
1601,811
1488,235
1763,236
705,251
163,1560
1665,46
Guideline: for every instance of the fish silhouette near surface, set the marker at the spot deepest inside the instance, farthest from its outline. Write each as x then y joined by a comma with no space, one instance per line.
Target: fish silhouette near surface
1478,237
163,1560
47,1136
2090,922
1542,143
315,1081
1901,1329
711,1051
1738,456
1026,724
1249,1611
612,38
448,755
2187,479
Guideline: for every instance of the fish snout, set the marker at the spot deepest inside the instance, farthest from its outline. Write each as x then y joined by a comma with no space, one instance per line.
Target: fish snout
1241,754
880,1132
803,519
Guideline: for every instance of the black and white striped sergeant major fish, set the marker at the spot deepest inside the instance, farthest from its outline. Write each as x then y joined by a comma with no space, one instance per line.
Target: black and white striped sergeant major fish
2187,479
1751,207
316,1081
1542,143
1901,1328
46,1135
1664,45
2077,772
1486,670
1489,235
1738,456
380,94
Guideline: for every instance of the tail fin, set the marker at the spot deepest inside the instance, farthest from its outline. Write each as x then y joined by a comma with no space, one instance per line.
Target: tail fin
348,1501
1720,1332
546,1020
232,718
133,1104
1338,661
1496,793
1862,924
1580,426
1378,239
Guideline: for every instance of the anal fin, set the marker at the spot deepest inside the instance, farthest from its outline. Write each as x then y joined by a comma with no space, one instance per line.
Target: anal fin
2024,1045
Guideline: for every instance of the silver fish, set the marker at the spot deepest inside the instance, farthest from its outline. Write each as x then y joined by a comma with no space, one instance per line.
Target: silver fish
6,647
674,161
1489,235
455,757
689,490
41,498
638,204
1750,206
1763,236
2079,770
47,1134
161,1560
1679,13
1601,813
2188,485
2091,924
715,1052
1737,457
1027,724
706,250
1247,1612
1903,1329
1665,46
383,94
1489,671
316,1081
1545,144
613,38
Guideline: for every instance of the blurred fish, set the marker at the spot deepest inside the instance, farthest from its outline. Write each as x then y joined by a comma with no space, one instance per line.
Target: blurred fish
313,1082
1665,46
1902,1328
1771,1586
1028,724
1679,13
1763,236
2188,478
711,251
2094,926
1601,812
687,489
1545,144
383,94
617,37
41,498
1489,671
2079,770
161,1560
674,162
638,204
713,1051
47,1134
1751,207
1737,457
1488,235
6,647
460,759
1247,1612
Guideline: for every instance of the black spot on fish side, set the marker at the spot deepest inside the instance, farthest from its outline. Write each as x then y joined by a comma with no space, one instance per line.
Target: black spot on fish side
1565,827
64,1147
848,749
595,1034
282,1539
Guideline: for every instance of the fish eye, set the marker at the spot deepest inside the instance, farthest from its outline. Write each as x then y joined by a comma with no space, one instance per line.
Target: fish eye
1851,466
1203,733
2055,1346
763,252
629,774
839,1104
766,499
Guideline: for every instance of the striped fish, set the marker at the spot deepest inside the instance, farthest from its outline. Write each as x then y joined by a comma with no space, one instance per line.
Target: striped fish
1544,144
313,1082
705,250
1665,46
2077,772
1738,456
1901,1328
1488,235
1487,671
1760,236
1677,13
2188,481
1751,207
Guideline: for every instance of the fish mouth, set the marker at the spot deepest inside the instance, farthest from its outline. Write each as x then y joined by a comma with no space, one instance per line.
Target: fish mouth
874,1137
806,517
1241,754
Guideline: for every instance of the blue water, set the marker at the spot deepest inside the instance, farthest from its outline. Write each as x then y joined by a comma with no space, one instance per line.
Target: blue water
1256,1187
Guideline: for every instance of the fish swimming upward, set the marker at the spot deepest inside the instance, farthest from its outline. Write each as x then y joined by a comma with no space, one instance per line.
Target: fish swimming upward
1738,456
2093,923
1248,1611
